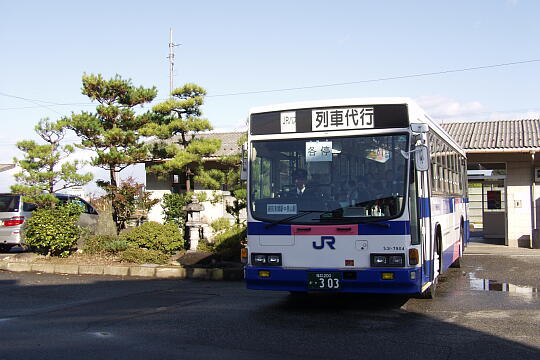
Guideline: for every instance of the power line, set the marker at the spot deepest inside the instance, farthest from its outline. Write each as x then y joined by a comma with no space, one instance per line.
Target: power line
34,101
379,79
399,77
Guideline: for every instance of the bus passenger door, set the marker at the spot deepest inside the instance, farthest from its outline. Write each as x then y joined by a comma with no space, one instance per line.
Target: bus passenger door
425,226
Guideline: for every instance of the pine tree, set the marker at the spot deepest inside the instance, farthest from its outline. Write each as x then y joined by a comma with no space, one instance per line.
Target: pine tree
44,168
113,130
176,130
235,185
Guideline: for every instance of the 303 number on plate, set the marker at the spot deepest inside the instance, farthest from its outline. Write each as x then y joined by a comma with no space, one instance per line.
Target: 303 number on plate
324,280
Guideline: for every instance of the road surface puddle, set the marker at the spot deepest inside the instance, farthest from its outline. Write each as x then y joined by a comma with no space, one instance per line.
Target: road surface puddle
495,285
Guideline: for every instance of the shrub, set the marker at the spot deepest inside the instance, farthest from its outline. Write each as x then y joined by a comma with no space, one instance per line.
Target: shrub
54,231
99,244
228,244
154,236
173,208
126,199
220,225
95,244
205,246
117,245
143,256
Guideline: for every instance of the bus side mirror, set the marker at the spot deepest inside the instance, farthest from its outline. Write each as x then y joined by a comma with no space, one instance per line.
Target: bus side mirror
244,170
419,128
421,158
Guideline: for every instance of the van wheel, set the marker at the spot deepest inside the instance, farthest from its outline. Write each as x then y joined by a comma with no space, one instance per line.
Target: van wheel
5,247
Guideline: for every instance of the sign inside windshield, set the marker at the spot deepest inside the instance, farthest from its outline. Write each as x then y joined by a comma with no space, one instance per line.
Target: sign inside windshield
342,119
286,209
379,155
318,151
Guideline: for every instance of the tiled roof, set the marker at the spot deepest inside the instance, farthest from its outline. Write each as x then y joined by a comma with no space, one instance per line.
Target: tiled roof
5,167
496,135
229,142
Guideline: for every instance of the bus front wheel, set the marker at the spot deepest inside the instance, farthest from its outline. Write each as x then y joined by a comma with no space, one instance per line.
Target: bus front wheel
430,292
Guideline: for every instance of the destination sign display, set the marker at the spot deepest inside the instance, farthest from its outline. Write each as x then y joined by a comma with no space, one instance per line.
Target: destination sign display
342,119
354,117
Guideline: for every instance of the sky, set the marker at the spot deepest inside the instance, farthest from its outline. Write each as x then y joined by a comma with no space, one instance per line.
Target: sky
246,53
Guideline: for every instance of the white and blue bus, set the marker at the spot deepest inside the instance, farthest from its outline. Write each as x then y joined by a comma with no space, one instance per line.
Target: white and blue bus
352,195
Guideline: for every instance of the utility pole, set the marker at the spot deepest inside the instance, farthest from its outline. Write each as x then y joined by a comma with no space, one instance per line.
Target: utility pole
172,45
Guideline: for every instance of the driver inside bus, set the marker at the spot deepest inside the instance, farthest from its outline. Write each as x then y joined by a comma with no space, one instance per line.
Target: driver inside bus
299,180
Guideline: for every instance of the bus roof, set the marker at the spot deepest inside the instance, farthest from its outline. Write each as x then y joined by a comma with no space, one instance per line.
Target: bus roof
331,102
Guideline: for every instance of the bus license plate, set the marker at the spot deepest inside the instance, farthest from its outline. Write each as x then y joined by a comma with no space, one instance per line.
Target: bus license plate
324,280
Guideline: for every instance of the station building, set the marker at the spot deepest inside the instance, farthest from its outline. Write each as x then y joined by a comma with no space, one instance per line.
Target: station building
504,179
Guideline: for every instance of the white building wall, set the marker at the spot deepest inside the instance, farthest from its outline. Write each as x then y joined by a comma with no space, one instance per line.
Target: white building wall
156,212
157,188
518,181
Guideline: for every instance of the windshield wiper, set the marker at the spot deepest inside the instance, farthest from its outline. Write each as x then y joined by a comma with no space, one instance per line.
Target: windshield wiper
295,216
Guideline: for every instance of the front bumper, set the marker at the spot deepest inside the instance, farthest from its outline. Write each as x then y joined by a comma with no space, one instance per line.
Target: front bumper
364,280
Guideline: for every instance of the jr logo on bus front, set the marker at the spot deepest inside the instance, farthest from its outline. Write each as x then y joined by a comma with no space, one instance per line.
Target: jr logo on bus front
325,240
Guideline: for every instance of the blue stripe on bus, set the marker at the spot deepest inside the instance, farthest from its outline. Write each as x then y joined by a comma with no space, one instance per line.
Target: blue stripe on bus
424,207
466,233
385,228
259,228
378,228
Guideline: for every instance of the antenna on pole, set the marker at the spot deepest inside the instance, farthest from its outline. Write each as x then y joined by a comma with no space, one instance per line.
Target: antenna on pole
172,45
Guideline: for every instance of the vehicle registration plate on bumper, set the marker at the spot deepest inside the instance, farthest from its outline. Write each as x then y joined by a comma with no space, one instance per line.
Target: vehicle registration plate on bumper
324,280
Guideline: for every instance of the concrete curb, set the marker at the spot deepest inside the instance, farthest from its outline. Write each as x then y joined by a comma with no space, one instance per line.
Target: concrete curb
147,271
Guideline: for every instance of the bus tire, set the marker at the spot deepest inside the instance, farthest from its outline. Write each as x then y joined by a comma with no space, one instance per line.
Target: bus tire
430,292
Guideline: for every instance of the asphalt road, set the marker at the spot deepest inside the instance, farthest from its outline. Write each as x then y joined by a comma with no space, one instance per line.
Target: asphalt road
84,317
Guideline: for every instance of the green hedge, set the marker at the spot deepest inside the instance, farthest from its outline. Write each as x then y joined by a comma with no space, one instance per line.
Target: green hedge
53,231
166,238
143,256
227,244
100,244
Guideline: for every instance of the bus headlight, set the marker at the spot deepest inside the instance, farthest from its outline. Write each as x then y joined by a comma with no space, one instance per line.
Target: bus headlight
266,259
259,259
379,260
274,259
396,260
387,260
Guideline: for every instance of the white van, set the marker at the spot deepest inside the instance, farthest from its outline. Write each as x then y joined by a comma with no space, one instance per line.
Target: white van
14,212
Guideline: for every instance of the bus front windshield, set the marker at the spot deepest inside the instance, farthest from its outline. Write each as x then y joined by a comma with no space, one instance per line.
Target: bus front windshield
326,181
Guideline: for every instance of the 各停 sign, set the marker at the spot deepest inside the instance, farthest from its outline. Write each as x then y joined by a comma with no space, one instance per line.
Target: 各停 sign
318,151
